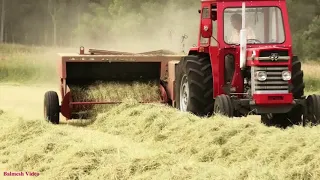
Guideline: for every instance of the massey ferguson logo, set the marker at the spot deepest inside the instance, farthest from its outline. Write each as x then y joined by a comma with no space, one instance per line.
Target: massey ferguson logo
274,56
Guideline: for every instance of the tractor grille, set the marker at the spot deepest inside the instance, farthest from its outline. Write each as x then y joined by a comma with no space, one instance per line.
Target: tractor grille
274,83
274,56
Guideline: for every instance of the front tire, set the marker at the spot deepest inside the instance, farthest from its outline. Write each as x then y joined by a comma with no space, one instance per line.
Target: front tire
51,107
194,85
223,105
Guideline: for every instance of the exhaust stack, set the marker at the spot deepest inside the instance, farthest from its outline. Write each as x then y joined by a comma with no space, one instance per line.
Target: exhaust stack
243,39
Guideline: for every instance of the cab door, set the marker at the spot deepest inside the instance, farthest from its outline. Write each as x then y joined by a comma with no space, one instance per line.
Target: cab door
205,26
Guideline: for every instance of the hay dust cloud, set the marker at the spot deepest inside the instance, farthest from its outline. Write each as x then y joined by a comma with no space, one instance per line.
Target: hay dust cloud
139,141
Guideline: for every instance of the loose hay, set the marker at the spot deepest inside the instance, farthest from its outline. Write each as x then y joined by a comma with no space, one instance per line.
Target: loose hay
157,142
112,92
117,92
135,141
241,148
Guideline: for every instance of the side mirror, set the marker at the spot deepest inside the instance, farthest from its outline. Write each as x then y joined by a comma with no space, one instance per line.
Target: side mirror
206,28
199,11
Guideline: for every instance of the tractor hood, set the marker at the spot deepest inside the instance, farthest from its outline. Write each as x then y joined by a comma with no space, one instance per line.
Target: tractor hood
266,55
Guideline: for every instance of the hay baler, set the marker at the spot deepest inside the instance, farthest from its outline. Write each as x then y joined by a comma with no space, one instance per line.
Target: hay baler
84,69
243,64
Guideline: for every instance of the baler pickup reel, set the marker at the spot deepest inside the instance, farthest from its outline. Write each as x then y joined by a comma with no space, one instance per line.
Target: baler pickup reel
103,77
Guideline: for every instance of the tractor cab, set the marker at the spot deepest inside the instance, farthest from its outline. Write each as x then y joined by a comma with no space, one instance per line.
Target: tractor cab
234,33
266,23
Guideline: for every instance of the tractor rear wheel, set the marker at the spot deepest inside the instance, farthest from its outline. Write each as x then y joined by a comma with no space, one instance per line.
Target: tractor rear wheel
194,85
293,117
51,107
313,109
224,105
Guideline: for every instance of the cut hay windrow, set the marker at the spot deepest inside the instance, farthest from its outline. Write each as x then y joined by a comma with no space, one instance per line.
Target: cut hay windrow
66,152
135,141
69,153
243,148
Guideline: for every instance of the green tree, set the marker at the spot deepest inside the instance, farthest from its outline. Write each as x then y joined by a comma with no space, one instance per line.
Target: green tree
311,39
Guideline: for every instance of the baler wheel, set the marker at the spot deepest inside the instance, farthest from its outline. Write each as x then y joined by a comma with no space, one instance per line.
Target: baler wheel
313,109
51,107
223,105
194,85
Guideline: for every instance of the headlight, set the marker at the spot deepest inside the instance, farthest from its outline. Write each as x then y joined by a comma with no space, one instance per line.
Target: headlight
286,75
261,75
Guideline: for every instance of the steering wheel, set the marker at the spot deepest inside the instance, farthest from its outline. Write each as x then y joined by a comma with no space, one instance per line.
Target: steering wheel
253,41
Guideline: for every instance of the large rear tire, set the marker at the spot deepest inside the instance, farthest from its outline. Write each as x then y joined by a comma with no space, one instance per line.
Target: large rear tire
51,107
194,85
294,117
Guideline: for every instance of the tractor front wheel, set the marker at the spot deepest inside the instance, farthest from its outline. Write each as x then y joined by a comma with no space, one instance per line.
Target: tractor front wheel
224,106
51,107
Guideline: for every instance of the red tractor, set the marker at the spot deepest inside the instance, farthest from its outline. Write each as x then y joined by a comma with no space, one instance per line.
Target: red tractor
243,65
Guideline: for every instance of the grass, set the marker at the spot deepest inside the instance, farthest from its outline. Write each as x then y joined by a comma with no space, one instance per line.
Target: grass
136,141
23,64
312,76
26,65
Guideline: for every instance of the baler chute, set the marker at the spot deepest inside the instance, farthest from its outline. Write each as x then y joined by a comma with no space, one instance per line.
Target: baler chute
123,70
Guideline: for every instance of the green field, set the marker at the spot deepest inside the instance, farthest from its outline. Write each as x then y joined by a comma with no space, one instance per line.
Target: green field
39,64
135,141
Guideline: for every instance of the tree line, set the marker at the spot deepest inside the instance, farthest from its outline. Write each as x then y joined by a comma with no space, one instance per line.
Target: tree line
123,23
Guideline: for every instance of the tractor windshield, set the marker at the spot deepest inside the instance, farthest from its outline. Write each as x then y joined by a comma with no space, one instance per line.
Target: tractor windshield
264,25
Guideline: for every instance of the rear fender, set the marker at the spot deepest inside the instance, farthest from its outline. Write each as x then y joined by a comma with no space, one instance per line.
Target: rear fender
193,51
